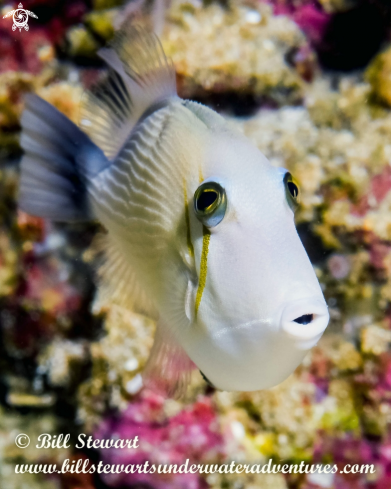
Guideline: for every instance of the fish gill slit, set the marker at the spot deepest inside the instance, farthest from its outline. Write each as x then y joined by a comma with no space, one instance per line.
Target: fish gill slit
200,175
203,267
187,221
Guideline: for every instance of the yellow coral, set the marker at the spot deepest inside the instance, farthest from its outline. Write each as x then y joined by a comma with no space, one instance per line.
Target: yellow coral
8,266
65,97
375,339
241,48
378,74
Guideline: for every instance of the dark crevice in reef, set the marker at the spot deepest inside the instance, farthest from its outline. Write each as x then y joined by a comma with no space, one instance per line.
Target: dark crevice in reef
354,36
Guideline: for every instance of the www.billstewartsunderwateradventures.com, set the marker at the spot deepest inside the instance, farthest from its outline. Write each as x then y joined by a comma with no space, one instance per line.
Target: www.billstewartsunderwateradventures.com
83,466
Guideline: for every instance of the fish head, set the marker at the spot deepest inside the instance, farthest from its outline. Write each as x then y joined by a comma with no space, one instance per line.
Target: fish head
258,306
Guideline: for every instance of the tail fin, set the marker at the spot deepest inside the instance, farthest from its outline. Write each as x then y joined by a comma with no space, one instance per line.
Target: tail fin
59,161
59,158
140,81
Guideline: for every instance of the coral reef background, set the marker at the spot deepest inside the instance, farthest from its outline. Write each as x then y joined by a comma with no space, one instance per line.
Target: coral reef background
310,83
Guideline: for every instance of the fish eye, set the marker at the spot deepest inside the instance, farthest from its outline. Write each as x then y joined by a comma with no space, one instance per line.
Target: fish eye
210,203
292,191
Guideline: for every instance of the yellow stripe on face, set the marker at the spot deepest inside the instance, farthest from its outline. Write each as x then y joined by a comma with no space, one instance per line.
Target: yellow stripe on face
200,175
187,219
203,267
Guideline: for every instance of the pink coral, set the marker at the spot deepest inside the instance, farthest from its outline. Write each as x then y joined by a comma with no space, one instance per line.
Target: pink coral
46,288
22,51
312,21
191,434
310,18
339,266
378,189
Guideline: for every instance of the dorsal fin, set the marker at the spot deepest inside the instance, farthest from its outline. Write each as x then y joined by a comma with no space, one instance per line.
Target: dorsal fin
139,82
208,116
106,114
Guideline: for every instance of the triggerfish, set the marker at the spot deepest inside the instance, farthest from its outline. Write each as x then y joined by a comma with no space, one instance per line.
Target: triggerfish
200,226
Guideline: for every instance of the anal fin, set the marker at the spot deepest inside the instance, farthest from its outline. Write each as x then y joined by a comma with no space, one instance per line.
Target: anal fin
169,368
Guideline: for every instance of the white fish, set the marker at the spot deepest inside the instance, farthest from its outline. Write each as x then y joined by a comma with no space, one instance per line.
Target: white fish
200,225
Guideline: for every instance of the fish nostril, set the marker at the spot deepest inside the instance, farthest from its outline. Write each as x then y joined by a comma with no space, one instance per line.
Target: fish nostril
304,319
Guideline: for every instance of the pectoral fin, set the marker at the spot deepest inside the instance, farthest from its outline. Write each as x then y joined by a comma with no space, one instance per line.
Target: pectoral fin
118,281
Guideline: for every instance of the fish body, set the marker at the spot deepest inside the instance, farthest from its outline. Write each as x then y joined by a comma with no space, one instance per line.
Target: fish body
201,230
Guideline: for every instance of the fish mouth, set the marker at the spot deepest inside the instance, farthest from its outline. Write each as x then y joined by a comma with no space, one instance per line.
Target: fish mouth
305,320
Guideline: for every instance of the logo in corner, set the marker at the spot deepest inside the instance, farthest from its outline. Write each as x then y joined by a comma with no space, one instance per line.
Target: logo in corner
21,18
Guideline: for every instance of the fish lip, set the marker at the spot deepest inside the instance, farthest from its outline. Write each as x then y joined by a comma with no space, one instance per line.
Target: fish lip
241,326
305,332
